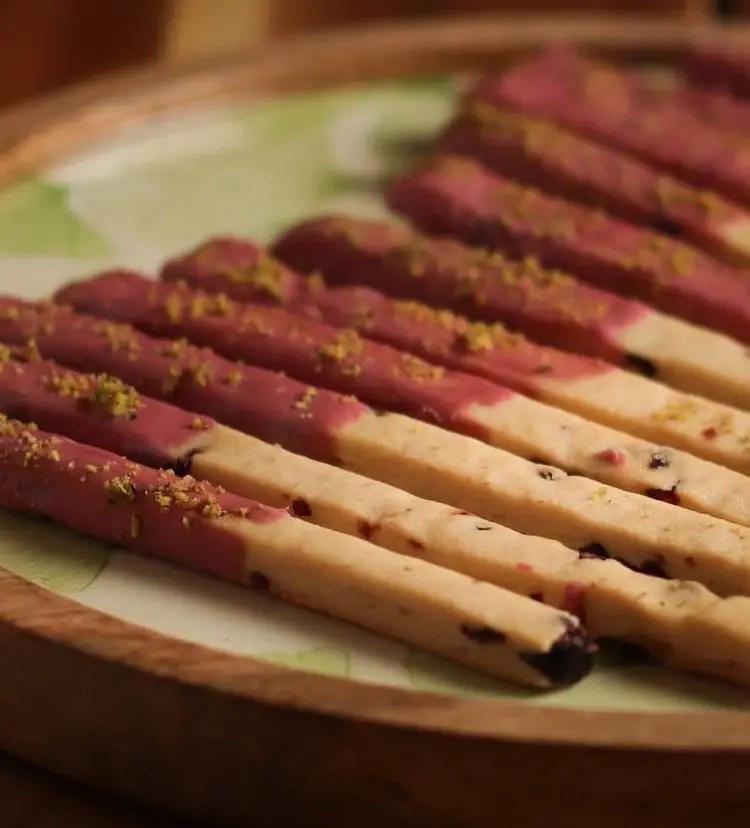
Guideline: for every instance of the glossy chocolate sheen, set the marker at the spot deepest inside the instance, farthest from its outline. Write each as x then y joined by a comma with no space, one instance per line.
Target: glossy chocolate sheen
547,305
610,104
268,405
101,410
437,335
336,358
460,197
558,161
115,500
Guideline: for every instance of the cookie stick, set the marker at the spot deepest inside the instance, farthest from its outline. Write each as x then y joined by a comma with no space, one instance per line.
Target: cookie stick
558,161
460,197
678,619
680,353
613,106
548,305
586,386
396,380
202,527
425,460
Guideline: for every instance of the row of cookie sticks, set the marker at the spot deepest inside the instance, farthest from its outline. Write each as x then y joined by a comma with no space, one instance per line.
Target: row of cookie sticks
483,626
690,130
460,388
426,460
200,525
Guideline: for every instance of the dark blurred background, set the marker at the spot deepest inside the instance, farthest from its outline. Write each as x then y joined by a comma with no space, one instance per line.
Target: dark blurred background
50,43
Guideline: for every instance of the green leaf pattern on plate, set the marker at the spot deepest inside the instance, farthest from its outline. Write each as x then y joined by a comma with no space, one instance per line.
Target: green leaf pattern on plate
36,220
328,661
48,555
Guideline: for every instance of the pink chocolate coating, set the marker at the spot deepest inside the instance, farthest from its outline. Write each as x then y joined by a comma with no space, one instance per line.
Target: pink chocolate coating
85,407
459,196
611,104
268,405
115,500
721,66
227,261
560,162
547,305
717,106
437,335
309,350
446,338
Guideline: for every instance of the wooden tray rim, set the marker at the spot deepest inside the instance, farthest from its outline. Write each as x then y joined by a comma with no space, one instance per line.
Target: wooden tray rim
51,128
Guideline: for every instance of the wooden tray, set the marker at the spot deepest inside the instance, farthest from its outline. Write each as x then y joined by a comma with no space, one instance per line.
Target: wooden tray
134,168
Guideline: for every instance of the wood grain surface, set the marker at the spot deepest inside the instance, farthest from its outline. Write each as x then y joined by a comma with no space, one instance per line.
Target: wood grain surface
233,741
31,796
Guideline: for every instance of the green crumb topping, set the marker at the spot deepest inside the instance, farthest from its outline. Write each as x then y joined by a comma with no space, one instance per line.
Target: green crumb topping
30,444
201,373
479,336
315,282
345,345
671,194
675,411
172,379
175,348
233,378
209,304
120,488
119,337
173,307
29,352
111,395
105,393
304,401
417,369
265,275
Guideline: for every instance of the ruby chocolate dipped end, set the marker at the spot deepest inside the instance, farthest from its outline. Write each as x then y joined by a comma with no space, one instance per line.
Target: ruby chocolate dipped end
263,403
563,85
102,410
437,335
242,264
311,351
615,106
460,197
545,155
548,305
487,349
203,527
101,494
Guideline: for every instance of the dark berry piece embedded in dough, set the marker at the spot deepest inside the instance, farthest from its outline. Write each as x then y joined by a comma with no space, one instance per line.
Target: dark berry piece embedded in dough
569,659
